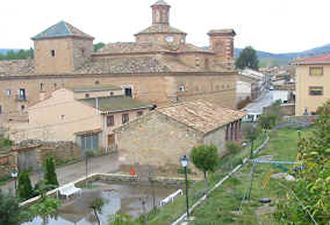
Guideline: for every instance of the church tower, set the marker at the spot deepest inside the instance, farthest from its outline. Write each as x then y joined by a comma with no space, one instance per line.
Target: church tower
160,13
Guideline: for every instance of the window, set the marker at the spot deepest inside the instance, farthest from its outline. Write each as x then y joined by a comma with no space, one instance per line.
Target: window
316,71
181,88
139,113
125,118
22,108
315,90
41,87
110,121
86,95
21,94
0,109
197,61
89,142
8,92
111,93
52,53
97,82
128,91
55,86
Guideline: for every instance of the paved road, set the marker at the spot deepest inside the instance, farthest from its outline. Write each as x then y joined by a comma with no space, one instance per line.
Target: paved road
66,174
257,105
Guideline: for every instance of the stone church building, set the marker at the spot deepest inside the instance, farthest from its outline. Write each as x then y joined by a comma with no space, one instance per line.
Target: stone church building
159,67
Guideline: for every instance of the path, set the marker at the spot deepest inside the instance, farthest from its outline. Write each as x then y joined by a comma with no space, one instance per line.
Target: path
257,105
65,174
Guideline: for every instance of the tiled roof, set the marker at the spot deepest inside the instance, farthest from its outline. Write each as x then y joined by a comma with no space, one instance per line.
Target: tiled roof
94,88
133,47
61,29
160,28
201,115
319,59
16,67
222,32
117,103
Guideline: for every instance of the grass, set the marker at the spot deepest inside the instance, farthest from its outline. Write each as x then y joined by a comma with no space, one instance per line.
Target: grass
224,204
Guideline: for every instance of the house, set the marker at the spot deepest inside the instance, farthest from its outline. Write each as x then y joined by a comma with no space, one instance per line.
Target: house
250,85
160,66
312,83
160,137
82,115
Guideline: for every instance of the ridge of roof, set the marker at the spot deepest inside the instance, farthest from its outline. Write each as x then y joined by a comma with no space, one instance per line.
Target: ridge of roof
318,59
59,30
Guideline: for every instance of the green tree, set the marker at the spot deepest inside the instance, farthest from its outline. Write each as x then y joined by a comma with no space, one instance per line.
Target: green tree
45,208
233,147
96,205
205,158
50,176
307,201
98,46
24,189
247,59
8,208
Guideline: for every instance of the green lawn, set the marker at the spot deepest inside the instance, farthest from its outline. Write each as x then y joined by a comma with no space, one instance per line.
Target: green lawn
224,204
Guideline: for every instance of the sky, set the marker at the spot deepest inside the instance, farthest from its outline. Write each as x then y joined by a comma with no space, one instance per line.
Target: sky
276,26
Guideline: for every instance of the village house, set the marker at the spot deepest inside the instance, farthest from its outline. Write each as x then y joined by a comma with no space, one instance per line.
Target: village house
159,67
82,115
160,137
312,83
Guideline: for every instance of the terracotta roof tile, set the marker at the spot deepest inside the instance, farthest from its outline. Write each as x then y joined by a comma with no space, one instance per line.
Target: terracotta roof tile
201,115
319,59
160,28
16,67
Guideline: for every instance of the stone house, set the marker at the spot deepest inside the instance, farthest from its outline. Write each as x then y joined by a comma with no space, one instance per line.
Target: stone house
160,137
312,83
158,67
82,115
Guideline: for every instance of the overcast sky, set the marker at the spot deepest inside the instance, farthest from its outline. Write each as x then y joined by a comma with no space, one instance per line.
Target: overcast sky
269,25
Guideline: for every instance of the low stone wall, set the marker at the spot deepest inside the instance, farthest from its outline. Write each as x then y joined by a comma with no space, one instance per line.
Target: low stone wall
297,121
7,163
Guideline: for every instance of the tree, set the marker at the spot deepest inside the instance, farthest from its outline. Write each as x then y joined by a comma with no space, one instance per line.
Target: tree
251,133
24,189
46,208
205,158
307,200
98,46
272,115
8,208
50,176
97,205
247,59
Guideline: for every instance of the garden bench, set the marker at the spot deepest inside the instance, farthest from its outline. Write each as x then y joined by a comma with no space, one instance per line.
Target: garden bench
68,190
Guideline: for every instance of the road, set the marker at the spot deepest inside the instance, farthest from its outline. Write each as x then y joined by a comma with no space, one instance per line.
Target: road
69,173
257,105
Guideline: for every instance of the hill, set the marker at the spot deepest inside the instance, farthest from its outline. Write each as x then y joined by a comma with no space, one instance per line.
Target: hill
267,58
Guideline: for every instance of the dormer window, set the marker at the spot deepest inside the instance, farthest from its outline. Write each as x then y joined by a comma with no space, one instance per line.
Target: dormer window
52,53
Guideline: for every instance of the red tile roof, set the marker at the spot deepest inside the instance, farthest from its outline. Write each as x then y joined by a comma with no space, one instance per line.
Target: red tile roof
319,59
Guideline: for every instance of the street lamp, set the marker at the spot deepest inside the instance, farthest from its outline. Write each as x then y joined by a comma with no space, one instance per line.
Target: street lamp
14,174
184,163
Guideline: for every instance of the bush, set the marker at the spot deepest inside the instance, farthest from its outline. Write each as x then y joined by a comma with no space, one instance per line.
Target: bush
24,189
50,176
233,147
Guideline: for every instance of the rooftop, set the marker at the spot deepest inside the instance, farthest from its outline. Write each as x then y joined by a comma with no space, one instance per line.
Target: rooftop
94,88
160,29
160,2
201,115
16,67
319,59
116,103
61,29
222,32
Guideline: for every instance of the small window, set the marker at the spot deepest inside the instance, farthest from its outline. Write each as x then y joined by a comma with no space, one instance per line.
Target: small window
52,53
55,86
22,108
97,82
128,92
21,94
62,117
86,95
139,113
41,87
197,62
83,51
111,93
8,92
181,88
110,121
315,91
316,71
125,118
0,109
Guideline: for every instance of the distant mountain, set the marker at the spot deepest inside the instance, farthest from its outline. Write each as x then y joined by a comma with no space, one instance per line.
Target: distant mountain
5,50
267,58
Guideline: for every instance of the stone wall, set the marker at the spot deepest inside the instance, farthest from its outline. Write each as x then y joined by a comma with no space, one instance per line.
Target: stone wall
7,163
155,140
217,138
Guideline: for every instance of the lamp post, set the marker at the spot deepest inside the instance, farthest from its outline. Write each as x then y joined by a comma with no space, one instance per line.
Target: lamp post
184,164
14,174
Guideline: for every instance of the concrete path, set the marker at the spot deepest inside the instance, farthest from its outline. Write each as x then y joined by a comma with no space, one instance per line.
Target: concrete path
257,105
66,174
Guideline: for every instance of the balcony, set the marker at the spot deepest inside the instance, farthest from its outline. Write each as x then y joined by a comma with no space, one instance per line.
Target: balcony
20,98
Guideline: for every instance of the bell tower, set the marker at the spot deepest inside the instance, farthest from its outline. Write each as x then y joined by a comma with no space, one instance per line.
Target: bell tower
160,13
